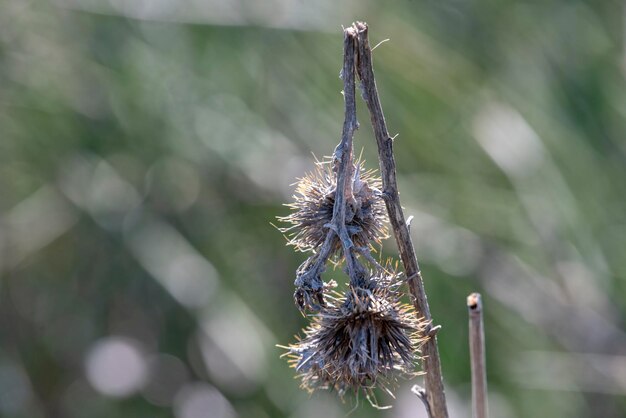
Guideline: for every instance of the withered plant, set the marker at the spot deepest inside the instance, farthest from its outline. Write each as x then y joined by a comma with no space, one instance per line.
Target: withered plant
362,339
314,203
365,337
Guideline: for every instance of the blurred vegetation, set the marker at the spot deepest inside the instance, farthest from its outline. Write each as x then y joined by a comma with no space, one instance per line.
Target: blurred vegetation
146,146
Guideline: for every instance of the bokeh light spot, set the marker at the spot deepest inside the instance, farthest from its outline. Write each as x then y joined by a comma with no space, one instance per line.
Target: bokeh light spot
200,400
116,367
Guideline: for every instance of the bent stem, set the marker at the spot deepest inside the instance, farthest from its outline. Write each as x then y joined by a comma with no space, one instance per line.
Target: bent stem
432,365
309,285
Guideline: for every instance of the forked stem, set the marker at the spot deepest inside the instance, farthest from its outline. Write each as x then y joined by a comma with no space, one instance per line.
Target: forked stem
309,285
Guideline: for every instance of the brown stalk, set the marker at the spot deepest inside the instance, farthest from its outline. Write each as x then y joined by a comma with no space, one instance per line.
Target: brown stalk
309,275
477,356
432,365
343,152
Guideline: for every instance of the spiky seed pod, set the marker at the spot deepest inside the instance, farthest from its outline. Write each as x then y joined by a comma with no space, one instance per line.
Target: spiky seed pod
313,209
361,340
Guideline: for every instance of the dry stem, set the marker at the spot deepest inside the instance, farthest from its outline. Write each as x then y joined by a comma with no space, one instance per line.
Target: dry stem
420,392
477,356
308,282
432,364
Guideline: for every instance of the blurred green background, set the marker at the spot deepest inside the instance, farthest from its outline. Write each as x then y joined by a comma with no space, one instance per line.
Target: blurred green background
145,147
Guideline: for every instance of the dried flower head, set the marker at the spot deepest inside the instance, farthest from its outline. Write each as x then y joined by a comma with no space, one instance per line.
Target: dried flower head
361,340
313,209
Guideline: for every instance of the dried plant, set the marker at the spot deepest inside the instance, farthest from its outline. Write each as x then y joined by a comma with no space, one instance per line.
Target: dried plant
314,203
361,340
365,338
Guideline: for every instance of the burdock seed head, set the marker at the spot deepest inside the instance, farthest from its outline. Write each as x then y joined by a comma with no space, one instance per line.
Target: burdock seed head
314,203
361,340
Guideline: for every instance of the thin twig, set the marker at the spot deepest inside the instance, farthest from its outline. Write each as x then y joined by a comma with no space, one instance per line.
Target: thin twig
420,392
477,356
432,364
309,292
